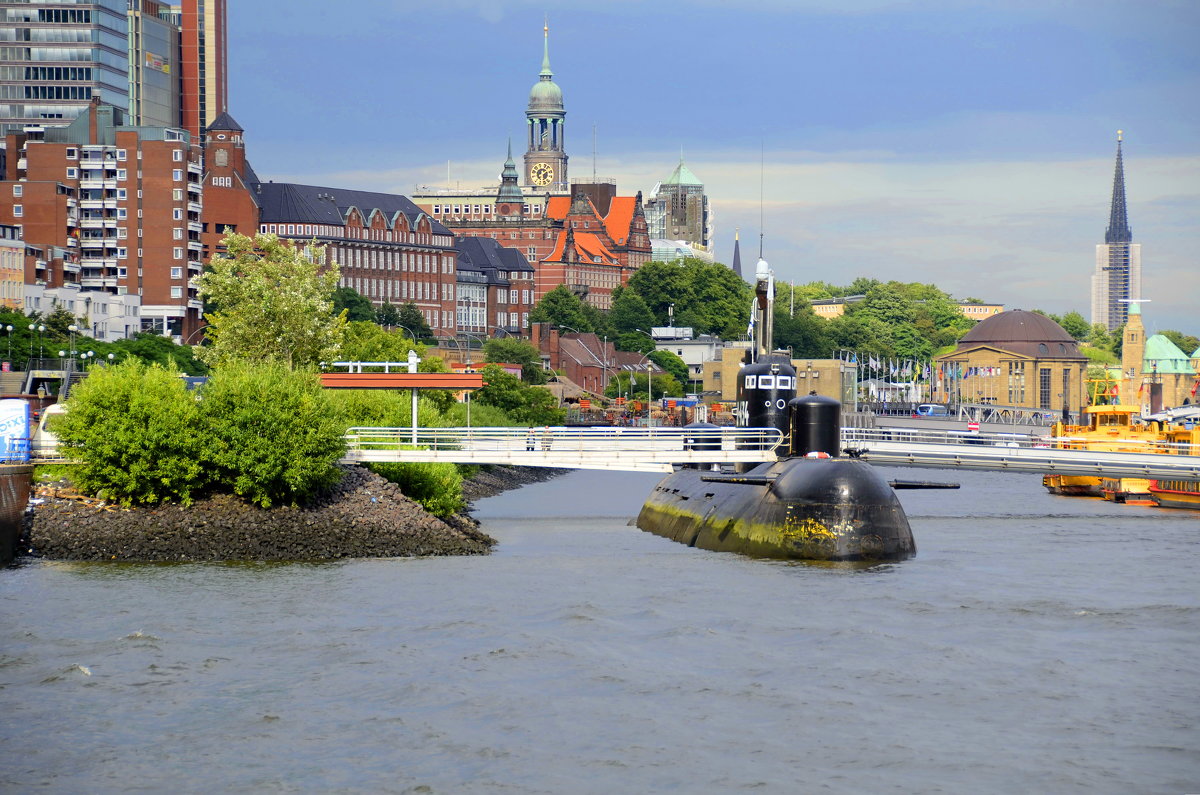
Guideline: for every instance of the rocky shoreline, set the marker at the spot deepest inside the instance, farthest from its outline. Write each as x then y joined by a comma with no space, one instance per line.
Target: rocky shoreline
363,516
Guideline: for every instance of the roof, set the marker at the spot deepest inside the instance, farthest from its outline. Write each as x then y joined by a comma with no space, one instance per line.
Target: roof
682,175
1164,357
484,253
1027,333
225,122
620,218
312,204
557,207
587,245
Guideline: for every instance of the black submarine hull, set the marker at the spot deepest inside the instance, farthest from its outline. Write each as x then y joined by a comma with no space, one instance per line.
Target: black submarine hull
796,508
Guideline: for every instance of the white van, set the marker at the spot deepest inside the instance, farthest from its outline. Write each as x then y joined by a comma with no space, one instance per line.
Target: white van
43,443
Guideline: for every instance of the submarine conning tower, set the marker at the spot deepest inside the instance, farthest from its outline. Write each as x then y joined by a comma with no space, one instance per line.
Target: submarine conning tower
765,388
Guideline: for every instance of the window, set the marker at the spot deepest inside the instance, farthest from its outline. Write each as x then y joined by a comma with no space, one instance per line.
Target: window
178,253
18,210
120,154
177,194
72,173
18,190
122,213
176,272
177,174
177,214
177,155
122,253
122,193
177,232
122,273
121,174
122,233
177,292
72,153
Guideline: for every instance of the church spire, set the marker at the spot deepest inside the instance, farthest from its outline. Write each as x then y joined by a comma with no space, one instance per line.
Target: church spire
1118,219
736,267
546,73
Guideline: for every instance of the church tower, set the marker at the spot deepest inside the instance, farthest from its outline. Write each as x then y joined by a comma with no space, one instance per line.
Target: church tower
510,201
1117,279
546,159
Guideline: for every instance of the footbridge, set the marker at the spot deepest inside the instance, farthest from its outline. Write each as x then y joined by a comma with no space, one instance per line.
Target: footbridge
658,449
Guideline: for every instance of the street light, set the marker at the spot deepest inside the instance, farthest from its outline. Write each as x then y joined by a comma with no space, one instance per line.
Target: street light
9,329
40,329
72,328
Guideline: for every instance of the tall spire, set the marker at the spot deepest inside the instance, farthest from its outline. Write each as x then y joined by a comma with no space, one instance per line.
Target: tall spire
546,50
1118,218
736,267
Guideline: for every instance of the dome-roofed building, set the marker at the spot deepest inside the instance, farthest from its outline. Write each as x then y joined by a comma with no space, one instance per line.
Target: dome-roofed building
1015,358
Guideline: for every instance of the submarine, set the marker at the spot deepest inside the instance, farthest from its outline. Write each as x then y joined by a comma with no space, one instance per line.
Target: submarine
810,504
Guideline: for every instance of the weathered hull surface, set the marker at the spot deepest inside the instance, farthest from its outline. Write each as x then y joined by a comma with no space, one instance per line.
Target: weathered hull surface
807,509
14,498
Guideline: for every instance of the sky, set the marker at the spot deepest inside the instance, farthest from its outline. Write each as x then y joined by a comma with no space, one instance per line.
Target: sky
964,143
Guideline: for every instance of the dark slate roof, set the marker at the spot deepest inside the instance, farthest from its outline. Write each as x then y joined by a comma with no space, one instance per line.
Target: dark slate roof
484,253
1022,332
225,122
312,204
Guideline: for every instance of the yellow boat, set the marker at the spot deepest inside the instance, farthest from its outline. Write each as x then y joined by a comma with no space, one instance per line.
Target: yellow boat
1179,493
1110,428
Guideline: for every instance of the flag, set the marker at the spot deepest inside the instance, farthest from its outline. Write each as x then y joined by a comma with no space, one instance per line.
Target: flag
1195,386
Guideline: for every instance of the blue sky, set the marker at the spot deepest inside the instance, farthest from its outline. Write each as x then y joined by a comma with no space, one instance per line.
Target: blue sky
969,144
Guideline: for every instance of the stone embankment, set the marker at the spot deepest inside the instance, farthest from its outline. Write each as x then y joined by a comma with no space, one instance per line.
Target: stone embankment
364,516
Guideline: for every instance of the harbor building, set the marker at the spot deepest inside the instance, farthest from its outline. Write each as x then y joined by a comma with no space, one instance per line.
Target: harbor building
1016,358
1155,373
1117,278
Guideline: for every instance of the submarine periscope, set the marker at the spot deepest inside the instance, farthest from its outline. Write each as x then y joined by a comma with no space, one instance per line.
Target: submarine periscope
811,504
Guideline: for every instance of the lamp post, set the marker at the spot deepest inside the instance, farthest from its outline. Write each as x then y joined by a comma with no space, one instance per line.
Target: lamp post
9,329
41,330
72,328
32,328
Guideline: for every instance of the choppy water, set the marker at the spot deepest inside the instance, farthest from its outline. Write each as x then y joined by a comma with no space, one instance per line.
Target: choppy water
1035,644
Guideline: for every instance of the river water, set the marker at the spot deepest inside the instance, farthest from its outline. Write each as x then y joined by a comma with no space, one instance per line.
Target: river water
1035,644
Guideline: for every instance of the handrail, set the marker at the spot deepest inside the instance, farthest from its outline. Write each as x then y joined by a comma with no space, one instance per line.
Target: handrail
560,439
855,436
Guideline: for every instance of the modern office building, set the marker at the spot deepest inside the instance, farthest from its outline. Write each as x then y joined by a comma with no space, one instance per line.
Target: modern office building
205,57
677,209
1117,278
56,57
154,41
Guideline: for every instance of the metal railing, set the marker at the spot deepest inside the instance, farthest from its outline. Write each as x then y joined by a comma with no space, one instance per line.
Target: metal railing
1021,453
600,447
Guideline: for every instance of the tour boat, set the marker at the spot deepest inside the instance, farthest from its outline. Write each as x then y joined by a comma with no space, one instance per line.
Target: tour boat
1109,428
1179,493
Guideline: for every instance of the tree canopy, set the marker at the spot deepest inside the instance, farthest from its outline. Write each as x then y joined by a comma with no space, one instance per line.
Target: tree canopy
560,307
272,302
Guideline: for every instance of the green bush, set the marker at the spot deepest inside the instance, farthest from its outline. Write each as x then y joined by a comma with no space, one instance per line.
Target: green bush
437,487
271,434
132,427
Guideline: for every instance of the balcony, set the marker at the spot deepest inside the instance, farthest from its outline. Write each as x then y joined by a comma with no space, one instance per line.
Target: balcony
195,267
98,283
71,267
194,167
194,207
98,242
105,184
195,245
194,226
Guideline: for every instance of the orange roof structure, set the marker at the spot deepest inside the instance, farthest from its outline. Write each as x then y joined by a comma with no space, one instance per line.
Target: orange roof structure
588,246
620,218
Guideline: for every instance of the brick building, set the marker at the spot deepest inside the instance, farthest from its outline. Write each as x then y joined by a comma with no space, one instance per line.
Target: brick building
115,209
494,288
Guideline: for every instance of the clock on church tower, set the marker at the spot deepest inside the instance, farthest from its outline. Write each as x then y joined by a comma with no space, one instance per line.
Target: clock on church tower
541,174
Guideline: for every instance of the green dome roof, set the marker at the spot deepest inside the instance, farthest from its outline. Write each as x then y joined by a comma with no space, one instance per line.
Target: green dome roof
1164,356
545,95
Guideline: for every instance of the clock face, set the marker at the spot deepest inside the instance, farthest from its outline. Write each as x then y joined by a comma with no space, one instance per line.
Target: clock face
542,174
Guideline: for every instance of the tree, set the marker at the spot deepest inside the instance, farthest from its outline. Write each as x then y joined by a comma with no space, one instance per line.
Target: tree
388,314
560,307
510,350
356,306
273,302
661,284
1074,324
1099,337
368,342
672,364
633,386
412,320
805,333
526,405
153,349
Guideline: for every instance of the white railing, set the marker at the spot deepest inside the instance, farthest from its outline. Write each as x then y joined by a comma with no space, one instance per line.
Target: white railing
600,447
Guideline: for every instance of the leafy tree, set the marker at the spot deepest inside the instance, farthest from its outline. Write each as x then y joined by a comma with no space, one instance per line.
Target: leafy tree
633,386
412,319
1074,324
273,436
356,307
560,307
388,314
886,303
152,349
661,284
865,334
1185,342
672,364
436,486
509,350
805,333
527,405
861,286
634,341
706,296
273,303
368,342
1099,337
132,427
